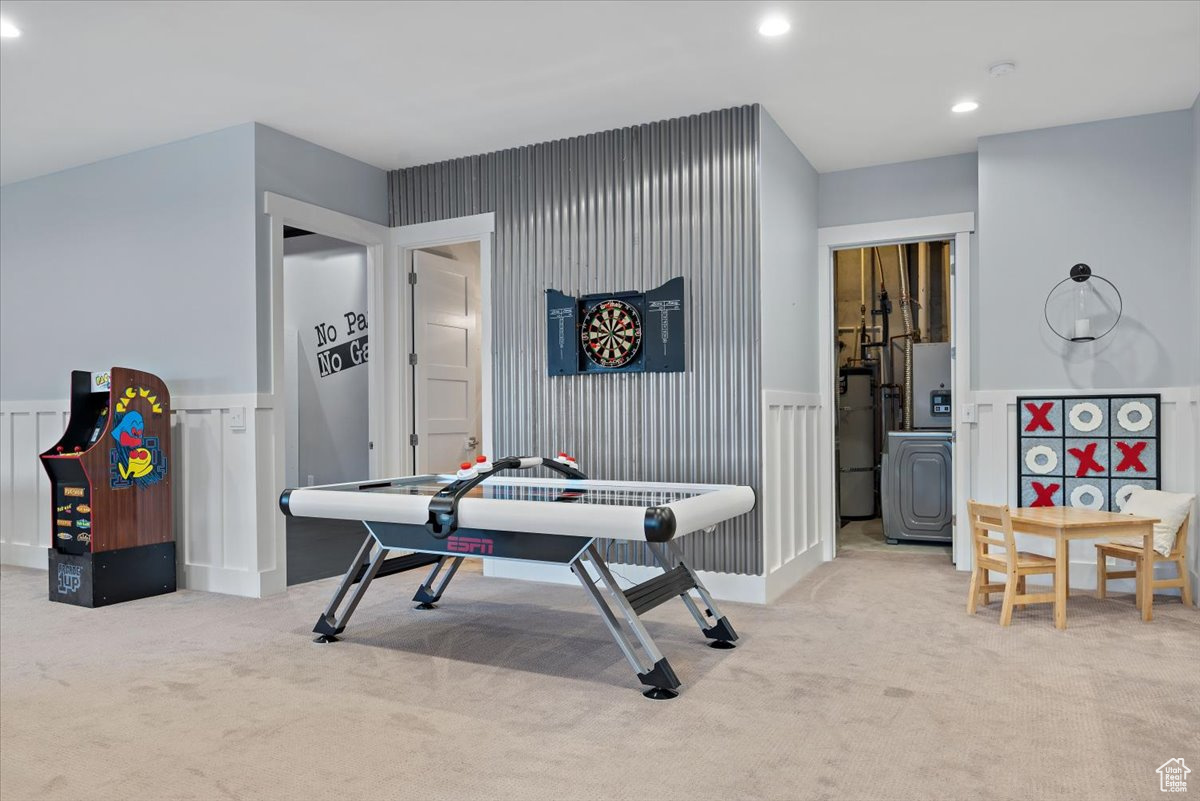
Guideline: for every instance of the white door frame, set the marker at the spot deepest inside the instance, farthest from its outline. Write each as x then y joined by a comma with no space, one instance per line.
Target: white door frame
398,374
297,214
281,211
958,227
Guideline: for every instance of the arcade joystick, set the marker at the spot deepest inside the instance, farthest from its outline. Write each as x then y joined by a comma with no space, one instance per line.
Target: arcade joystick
78,449
58,449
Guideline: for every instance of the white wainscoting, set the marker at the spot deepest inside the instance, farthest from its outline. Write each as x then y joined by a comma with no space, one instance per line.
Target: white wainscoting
994,473
795,522
221,499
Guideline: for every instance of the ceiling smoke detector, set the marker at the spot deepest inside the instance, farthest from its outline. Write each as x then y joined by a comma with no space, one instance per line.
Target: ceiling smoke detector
1001,68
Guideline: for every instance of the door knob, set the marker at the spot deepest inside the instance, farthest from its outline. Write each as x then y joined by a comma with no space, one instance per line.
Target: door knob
472,442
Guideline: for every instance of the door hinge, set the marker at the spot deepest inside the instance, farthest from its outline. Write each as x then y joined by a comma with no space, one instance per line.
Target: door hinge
412,278
953,352
370,446
412,359
412,440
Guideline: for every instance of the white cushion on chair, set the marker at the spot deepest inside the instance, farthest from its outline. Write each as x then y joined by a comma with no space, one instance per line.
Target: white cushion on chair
1171,508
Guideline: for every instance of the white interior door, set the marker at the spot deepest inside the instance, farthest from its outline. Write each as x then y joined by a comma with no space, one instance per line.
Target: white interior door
447,370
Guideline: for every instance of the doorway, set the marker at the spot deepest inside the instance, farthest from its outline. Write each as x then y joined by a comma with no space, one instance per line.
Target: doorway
327,397
893,335
959,229
447,359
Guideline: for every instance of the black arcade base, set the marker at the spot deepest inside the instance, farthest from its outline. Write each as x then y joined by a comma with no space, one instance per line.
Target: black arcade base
111,577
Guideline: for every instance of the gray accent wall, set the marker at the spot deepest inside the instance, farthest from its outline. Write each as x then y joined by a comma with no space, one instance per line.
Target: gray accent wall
788,262
1116,195
925,188
145,260
295,168
625,210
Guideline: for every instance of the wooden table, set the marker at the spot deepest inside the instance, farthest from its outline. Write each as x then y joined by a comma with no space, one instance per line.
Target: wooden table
1064,524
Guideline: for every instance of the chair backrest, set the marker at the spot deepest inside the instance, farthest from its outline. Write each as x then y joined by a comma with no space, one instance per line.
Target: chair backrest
1180,547
986,518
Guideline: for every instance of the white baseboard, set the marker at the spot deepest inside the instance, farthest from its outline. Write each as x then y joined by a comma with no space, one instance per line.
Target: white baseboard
23,555
723,586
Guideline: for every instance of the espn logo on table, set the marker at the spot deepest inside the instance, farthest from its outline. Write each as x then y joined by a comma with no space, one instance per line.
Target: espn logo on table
477,545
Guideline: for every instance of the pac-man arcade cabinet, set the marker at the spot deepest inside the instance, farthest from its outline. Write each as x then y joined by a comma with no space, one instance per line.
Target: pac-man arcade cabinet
112,538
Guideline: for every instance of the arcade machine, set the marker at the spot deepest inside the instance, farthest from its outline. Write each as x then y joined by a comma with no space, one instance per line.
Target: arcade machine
112,538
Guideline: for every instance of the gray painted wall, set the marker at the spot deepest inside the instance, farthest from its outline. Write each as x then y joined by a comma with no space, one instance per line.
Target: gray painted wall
323,280
625,209
787,256
1195,268
298,169
144,261
1115,194
945,185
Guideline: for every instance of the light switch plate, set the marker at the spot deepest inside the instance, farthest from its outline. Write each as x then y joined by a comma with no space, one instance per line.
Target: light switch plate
968,413
237,418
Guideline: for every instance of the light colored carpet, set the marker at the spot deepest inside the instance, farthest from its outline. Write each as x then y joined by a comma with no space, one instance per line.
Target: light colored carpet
867,535
868,681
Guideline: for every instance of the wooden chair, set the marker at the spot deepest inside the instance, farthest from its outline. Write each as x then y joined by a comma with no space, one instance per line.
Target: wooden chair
1133,553
1014,564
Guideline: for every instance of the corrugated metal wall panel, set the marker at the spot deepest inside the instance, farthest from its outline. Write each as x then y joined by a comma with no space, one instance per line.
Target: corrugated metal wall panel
621,210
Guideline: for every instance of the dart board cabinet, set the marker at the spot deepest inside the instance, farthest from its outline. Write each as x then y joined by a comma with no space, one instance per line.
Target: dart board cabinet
111,537
616,332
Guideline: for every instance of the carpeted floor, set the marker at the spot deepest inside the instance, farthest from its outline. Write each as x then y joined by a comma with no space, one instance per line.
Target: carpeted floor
868,681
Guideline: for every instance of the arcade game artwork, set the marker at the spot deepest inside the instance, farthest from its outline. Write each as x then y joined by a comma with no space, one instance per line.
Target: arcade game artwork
111,530
618,332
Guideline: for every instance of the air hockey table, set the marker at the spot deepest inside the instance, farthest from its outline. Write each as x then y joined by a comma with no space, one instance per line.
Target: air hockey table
437,521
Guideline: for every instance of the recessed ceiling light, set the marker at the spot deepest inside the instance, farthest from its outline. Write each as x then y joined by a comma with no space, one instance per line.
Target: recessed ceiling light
8,30
964,107
774,25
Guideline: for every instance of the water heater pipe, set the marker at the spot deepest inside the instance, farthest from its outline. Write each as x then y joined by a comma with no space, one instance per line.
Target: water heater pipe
906,315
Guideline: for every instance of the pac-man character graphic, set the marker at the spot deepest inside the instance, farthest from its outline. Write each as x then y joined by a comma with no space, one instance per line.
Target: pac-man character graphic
128,432
138,464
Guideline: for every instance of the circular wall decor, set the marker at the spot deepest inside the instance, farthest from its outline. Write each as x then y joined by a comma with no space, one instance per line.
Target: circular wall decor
1094,416
1121,496
1144,416
1041,460
1087,490
612,333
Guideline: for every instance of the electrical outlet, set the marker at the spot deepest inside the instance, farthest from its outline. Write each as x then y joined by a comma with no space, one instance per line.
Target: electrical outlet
311,480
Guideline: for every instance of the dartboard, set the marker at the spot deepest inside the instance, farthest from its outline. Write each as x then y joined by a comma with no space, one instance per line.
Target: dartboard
612,333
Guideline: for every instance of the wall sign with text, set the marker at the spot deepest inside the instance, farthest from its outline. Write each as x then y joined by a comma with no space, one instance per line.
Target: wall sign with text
334,356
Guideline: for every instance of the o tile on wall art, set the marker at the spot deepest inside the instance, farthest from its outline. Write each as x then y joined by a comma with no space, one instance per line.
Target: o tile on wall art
1088,452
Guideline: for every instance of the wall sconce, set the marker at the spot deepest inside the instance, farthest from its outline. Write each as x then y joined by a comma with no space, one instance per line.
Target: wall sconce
1083,307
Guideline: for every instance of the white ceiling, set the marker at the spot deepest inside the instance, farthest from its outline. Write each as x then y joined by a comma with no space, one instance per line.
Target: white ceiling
397,84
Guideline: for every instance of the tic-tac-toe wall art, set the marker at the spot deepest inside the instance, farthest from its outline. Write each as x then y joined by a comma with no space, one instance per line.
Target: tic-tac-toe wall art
1089,452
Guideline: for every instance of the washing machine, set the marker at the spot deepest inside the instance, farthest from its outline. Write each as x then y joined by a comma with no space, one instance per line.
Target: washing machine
916,487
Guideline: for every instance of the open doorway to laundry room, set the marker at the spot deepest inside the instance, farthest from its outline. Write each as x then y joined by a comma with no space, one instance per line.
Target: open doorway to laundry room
325,370
894,444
